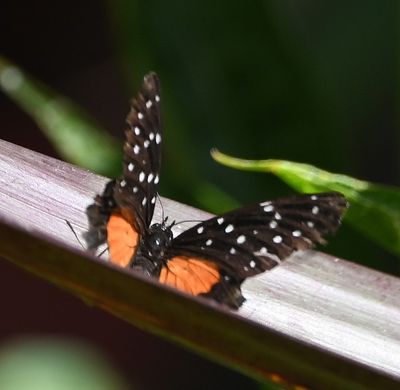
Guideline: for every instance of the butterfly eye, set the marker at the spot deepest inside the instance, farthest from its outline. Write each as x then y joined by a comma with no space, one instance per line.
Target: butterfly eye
155,227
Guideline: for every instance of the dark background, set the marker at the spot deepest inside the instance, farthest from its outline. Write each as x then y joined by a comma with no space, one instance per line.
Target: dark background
304,81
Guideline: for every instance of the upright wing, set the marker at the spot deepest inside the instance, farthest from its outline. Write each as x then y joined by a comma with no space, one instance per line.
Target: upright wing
136,190
248,241
122,214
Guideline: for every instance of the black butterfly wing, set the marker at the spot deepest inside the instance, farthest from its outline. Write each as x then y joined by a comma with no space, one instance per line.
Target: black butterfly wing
123,212
255,238
98,214
136,190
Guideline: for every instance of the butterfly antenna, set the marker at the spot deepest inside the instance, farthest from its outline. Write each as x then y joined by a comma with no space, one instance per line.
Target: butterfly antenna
76,236
188,221
80,242
102,252
162,208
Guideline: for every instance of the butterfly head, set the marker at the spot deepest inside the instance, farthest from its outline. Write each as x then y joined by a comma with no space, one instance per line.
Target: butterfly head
157,240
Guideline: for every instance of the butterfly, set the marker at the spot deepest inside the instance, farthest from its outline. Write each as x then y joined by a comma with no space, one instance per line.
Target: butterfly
214,257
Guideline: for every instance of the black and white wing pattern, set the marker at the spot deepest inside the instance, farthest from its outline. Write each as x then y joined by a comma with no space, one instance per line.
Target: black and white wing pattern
253,239
122,214
136,191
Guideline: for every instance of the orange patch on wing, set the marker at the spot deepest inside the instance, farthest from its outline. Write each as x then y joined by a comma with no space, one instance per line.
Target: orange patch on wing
191,275
122,240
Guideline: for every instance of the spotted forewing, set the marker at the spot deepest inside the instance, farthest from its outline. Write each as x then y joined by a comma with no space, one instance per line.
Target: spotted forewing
135,192
255,238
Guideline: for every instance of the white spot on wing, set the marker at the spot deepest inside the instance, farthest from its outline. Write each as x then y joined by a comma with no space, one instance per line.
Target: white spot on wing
314,197
146,143
200,229
140,115
296,233
277,216
158,138
122,183
150,178
151,136
310,224
241,239
232,251
149,103
277,239
263,250
157,98
137,130
135,189
269,208
229,228
153,200
142,176
315,210
252,263
209,242
273,224
156,180
255,232
136,149
144,201
220,221
130,167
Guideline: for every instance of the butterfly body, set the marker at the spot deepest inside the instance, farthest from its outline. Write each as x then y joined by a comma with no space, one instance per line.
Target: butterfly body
157,241
157,257
214,257
151,255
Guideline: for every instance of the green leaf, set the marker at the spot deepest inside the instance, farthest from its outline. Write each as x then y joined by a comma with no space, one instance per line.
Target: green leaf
76,137
374,209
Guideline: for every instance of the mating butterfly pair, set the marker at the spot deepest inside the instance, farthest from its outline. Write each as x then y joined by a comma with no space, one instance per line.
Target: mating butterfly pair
214,257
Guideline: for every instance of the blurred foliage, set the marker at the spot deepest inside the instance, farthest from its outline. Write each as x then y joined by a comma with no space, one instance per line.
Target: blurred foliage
75,136
301,81
49,363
